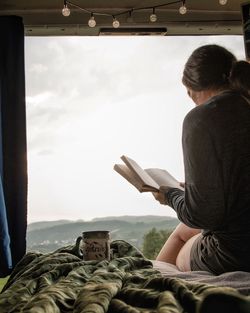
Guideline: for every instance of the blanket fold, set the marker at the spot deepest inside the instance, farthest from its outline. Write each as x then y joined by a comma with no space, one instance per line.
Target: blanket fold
61,282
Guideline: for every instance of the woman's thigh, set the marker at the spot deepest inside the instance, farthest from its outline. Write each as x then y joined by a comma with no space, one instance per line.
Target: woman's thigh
183,258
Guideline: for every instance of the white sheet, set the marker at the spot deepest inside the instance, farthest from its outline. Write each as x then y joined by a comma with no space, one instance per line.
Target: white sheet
238,280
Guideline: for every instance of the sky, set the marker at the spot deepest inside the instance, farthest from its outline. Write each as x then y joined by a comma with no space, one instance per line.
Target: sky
92,99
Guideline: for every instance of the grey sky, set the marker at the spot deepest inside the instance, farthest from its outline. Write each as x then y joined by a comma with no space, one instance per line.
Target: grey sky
92,99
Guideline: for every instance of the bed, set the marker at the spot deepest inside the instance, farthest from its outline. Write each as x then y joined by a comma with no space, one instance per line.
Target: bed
238,280
62,282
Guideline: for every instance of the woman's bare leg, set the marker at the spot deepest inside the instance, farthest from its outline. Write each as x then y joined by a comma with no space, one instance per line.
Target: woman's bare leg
176,244
183,257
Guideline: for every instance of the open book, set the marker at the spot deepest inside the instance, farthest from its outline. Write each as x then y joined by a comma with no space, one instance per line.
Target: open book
150,179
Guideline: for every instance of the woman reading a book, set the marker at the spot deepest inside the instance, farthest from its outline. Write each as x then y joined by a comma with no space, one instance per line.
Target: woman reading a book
214,209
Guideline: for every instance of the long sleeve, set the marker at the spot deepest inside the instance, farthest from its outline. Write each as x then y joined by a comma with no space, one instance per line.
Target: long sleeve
216,152
202,203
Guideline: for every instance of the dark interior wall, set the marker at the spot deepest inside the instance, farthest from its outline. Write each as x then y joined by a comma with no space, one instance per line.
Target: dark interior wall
13,134
246,28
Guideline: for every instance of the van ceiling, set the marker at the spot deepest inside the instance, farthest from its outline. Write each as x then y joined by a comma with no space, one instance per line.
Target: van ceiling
203,17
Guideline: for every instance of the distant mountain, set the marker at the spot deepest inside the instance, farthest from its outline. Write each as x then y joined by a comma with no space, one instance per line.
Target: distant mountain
135,219
46,224
48,236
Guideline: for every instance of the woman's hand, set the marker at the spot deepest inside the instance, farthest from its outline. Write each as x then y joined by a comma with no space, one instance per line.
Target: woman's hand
182,185
161,194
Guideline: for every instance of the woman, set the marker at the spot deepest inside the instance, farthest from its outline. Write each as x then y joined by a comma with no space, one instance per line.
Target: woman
214,209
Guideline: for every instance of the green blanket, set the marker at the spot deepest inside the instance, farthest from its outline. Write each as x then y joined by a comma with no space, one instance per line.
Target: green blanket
62,282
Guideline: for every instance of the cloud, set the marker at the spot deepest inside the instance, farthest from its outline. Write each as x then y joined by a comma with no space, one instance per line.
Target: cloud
44,113
38,68
92,99
39,98
45,152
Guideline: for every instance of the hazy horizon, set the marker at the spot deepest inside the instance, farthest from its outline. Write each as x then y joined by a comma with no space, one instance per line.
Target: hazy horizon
104,217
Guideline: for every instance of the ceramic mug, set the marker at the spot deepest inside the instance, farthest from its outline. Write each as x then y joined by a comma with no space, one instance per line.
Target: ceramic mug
96,245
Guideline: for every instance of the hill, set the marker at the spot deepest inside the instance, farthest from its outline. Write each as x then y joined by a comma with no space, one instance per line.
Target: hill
48,236
135,219
46,224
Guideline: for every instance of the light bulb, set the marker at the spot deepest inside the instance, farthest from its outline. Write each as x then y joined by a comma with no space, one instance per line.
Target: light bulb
153,18
183,9
65,10
223,2
92,21
116,23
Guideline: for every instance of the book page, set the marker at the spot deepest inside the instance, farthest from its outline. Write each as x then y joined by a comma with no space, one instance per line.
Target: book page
147,180
125,172
163,178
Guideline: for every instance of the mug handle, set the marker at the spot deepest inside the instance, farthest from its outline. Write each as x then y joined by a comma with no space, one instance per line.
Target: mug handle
78,246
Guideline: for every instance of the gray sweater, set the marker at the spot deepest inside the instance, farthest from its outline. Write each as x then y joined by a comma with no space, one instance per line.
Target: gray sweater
216,150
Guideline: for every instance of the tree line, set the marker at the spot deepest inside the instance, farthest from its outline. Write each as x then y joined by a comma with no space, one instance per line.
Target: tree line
153,242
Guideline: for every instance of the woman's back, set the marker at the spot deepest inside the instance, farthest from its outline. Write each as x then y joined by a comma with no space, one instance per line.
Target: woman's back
223,180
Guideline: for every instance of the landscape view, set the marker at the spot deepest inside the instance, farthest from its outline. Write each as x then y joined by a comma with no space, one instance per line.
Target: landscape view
147,233
49,236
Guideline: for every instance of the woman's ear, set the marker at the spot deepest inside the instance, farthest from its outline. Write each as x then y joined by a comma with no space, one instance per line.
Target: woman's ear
200,97
194,95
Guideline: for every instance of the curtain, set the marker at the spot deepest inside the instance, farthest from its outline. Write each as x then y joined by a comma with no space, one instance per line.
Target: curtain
13,151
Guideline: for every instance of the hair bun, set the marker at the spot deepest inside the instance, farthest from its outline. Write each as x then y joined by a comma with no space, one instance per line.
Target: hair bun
240,77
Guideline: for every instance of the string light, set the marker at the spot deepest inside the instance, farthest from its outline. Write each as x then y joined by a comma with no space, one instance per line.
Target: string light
116,23
223,2
183,9
65,10
130,18
153,16
92,21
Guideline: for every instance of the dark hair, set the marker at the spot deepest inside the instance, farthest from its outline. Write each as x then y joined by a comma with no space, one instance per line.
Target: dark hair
240,77
214,67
